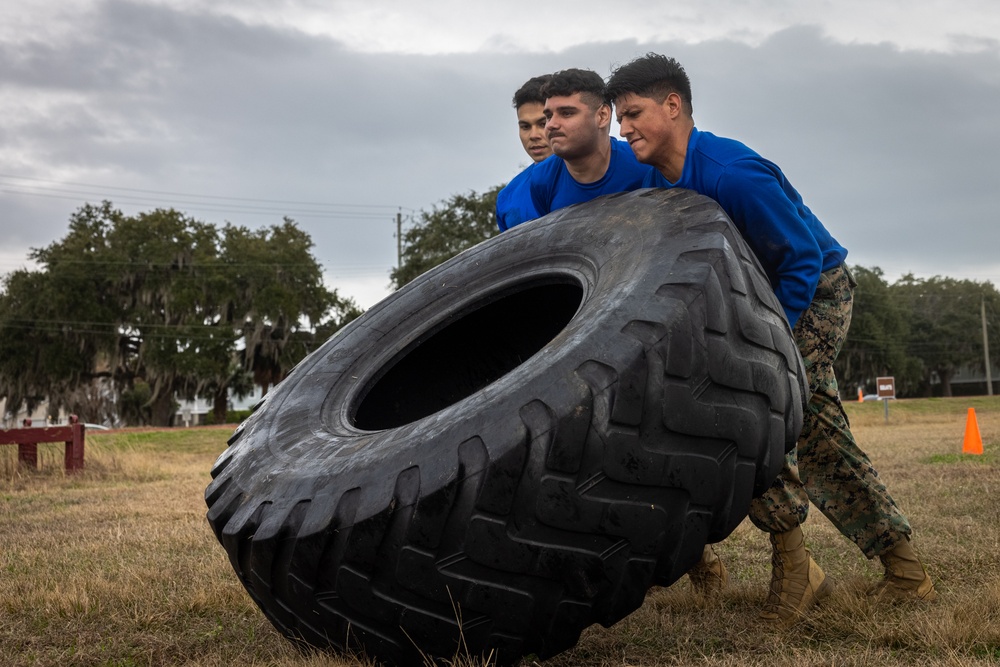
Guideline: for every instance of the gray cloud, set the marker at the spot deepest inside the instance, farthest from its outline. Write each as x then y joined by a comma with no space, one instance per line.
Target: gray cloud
895,150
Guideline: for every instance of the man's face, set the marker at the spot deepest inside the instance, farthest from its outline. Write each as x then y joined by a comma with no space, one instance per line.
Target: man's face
647,126
574,129
531,128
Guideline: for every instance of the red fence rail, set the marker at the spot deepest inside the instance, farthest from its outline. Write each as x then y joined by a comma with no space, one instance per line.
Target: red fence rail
27,440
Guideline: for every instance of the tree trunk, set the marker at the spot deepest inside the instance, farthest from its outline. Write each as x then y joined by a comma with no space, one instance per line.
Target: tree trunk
945,376
220,405
161,409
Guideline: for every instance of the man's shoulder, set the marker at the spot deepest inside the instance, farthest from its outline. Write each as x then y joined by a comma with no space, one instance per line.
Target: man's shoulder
722,164
517,190
517,182
721,150
625,164
622,150
514,204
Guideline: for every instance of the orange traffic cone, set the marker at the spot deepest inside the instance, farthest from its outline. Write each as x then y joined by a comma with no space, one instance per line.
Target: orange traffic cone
861,396
973,443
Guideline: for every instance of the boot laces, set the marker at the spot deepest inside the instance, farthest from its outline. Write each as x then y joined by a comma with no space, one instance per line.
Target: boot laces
773,602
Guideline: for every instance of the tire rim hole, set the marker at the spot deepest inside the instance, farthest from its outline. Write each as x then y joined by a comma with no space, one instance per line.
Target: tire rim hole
467,355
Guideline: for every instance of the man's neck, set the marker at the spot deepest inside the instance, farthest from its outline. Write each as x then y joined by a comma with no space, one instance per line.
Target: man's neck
591,167
671,165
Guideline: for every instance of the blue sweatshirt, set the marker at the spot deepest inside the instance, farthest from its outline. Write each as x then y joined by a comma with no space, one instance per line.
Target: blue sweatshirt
790,242
553,188
514,201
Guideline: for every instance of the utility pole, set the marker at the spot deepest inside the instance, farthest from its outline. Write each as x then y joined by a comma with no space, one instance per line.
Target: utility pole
399,240
986,349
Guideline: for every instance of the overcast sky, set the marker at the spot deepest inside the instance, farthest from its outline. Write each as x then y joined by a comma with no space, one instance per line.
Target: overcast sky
885,114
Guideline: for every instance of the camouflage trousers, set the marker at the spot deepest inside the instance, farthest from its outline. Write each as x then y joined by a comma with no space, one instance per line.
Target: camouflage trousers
827,467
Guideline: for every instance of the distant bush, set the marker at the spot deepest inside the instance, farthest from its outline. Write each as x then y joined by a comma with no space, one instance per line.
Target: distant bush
232,417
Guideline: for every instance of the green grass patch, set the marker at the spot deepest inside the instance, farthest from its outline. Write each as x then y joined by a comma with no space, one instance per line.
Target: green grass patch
928,407
986,458
178,440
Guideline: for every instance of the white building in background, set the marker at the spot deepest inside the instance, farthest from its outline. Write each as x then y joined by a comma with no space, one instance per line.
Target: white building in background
968,381
193,413
189,413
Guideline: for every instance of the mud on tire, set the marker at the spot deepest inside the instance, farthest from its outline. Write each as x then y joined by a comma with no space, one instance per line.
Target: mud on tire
520,442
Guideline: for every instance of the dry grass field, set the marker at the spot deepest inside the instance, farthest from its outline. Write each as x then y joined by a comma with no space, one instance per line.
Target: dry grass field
117,565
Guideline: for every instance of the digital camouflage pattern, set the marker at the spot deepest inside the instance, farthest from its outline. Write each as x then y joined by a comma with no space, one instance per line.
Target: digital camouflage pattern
836,475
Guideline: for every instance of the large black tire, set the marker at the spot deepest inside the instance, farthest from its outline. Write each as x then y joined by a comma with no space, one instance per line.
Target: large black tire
520,442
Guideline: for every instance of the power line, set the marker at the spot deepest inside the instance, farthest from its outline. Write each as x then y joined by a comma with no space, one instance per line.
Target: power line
210,205
214,208
195,196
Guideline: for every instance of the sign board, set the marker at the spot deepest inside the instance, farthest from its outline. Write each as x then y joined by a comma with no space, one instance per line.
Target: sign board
886,387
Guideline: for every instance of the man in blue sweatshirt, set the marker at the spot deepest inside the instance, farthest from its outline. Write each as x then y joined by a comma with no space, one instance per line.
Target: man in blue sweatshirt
805,264
514,200
588,162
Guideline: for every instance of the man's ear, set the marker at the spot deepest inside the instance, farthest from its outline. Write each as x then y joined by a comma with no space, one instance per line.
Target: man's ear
604,116
673,105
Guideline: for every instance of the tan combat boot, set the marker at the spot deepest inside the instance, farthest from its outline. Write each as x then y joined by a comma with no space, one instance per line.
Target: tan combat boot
708,576
905,577
797,582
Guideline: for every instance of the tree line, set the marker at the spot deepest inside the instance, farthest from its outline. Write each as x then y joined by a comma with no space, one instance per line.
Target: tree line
921,331
127,312
918,330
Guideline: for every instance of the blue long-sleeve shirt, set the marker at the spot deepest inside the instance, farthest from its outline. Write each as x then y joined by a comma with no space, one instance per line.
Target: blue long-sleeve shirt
514,201
790,242
553,188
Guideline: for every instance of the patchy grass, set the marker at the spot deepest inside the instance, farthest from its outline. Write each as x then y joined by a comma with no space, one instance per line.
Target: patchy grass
909,410
117,565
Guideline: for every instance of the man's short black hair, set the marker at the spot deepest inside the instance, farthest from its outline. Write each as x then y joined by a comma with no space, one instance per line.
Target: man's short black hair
531,91
588,83
653,76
